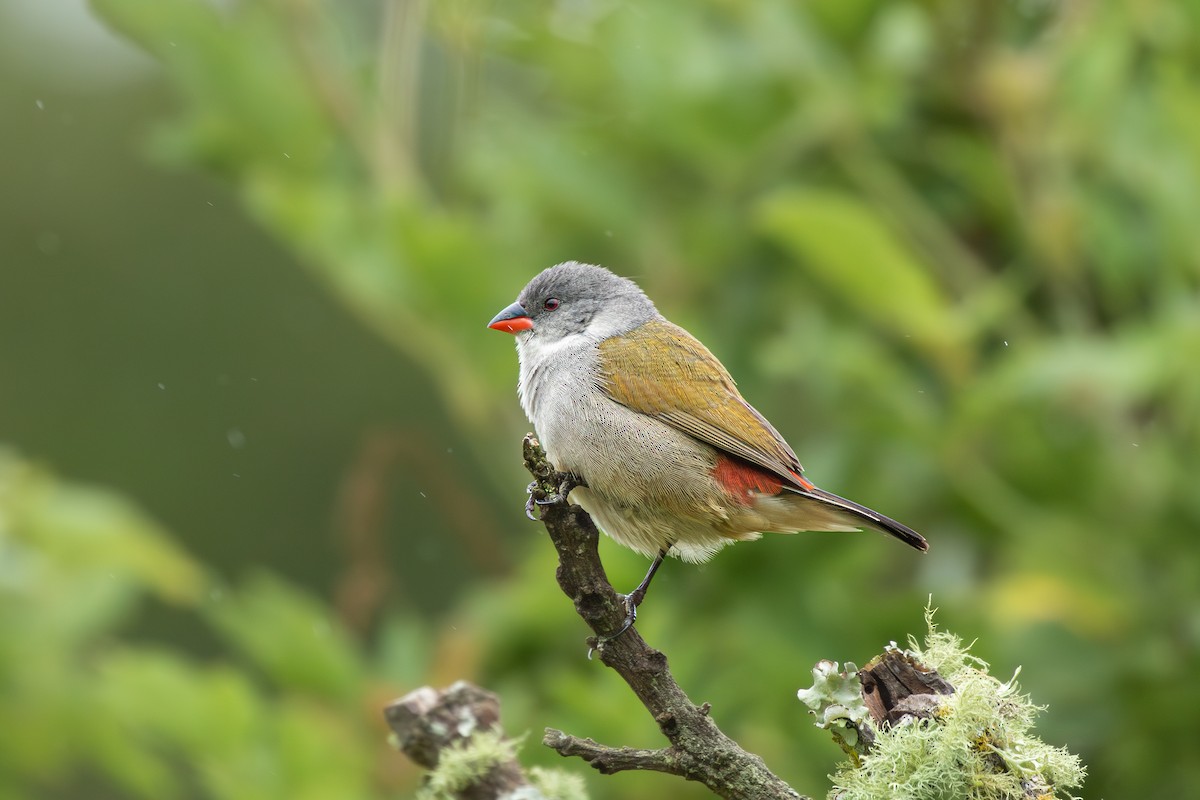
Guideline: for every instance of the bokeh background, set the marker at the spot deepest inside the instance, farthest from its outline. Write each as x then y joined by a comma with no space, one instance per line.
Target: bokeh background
260,466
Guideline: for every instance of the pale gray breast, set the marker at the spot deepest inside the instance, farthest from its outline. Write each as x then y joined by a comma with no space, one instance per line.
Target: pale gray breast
618,451
552,375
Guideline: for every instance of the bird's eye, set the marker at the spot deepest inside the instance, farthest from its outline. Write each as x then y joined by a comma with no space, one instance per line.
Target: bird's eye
551,303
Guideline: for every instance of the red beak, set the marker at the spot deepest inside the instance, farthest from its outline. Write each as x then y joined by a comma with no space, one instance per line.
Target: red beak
513,319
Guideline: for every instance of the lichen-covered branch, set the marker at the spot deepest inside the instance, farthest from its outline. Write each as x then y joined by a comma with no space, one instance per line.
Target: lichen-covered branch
930,722
699,750
456,733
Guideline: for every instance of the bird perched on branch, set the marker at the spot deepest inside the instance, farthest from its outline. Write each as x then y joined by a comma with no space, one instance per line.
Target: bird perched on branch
671,460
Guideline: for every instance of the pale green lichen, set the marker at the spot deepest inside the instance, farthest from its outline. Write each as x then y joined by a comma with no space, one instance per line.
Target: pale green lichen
557,784
978,746
836,699
465,763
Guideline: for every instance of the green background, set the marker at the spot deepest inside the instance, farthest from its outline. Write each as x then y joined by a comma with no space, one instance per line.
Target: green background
261,471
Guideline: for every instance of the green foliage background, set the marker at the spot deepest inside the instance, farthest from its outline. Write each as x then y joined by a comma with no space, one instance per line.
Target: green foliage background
948,248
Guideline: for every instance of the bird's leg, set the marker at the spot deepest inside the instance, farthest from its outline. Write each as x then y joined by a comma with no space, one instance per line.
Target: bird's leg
635,598
567,482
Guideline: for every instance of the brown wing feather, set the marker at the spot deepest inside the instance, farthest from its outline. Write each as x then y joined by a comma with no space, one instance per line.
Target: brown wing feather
661,370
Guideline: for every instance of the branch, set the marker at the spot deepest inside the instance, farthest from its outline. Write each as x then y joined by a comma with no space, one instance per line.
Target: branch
699,750
896,686
457,733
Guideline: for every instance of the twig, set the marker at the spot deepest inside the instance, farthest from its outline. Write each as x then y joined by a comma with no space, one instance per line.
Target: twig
610,760
699,750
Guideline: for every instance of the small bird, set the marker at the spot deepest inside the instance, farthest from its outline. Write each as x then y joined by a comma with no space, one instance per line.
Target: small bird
671,460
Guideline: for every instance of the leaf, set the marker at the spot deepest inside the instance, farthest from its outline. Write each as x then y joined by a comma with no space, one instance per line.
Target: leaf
290,636
848,247
93,532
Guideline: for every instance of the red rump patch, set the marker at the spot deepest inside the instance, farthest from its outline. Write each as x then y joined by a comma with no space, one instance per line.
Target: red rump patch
739,479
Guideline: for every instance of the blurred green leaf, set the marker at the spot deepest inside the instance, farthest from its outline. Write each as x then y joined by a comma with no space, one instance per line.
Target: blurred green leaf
83,528
77,562
849,248
292,637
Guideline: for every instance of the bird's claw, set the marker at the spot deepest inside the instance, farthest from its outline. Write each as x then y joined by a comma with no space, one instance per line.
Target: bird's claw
631,604
565,486
630,616
531,502
534,501
632,601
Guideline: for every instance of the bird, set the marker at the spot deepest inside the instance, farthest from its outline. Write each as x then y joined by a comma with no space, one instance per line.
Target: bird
665,454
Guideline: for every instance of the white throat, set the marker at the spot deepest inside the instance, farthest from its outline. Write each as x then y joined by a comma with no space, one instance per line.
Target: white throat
554,366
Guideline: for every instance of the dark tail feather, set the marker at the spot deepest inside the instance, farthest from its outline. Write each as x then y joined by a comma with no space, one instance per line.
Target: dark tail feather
871,519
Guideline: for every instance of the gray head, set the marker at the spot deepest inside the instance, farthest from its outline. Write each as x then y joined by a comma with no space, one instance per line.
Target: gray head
573,298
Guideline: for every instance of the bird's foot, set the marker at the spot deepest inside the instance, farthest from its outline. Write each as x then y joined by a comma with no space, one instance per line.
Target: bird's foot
631,603
539,497
532,502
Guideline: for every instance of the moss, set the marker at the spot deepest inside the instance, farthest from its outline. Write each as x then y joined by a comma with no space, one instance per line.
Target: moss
979,745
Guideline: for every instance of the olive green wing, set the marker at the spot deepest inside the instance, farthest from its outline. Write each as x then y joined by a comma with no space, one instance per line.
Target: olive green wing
661,370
